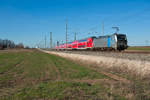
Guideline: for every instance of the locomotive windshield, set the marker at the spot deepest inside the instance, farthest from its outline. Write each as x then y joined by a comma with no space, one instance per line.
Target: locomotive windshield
121,37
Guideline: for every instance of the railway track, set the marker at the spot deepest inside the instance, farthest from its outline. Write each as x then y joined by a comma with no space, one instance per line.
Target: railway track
128,54
125,51
137,51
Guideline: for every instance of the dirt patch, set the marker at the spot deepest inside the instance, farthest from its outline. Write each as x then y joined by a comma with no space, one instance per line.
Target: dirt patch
16,50
115,77
94,81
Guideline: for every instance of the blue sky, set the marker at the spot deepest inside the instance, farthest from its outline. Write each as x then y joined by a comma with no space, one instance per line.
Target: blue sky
28,21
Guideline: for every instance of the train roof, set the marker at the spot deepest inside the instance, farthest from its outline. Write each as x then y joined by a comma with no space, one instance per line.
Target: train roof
87,38
118,34
111,35
81,40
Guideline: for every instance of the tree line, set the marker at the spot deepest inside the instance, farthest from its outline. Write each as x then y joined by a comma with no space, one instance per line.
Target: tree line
8,44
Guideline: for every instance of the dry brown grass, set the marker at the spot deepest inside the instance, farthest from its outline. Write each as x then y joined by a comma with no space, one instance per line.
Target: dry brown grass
137,72
134,67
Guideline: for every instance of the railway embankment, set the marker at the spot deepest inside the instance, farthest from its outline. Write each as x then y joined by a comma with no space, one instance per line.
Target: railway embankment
133,66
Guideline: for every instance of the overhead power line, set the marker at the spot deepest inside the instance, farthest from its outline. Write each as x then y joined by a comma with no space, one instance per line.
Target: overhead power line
45,41
66,32
103,28
51,40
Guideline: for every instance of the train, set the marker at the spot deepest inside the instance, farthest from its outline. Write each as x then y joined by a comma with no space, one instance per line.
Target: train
108,42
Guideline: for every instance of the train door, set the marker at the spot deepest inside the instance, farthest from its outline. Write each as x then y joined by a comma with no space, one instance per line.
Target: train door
108,42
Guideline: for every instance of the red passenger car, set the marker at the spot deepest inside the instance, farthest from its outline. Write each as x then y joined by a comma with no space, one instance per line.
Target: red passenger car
78,44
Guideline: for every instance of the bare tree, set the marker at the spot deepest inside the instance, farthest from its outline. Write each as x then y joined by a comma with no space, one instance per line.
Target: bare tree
9,44
20,45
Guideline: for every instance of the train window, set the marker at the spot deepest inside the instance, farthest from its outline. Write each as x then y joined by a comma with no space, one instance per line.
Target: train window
121,37
82,40
89,42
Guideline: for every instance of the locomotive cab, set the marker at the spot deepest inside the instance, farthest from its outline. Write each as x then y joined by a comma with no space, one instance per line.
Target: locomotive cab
121,41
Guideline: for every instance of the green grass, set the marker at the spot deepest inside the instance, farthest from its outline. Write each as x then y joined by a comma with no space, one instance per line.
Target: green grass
64,91
139,48
33,75
70,70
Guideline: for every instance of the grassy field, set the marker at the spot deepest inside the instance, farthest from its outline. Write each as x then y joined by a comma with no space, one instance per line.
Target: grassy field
143,48
34,75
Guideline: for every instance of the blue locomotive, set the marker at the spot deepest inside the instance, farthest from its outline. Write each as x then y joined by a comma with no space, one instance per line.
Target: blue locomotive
110,42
